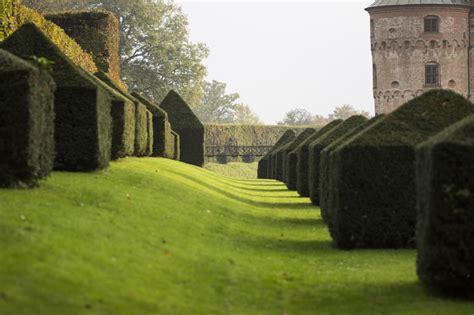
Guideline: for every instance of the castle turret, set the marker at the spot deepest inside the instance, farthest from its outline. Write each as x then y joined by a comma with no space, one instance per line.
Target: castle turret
419,45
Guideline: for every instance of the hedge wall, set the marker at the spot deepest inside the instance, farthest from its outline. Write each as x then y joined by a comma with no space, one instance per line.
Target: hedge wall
141,130
26,122
175,147
245,135
161,128
18,15
445,233
264,171
282,153
187,125
98,33
315,149
149,128
326,185
374,173
83,122
302,158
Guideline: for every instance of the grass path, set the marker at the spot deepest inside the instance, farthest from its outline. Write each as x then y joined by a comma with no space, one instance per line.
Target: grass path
153,236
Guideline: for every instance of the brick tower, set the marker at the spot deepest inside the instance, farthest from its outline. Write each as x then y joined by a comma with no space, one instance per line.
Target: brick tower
419,45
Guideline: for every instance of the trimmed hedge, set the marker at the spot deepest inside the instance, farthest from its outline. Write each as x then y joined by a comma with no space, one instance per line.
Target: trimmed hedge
26,122
175,146
445,232
187,125
141,130
326,185
272,163
161,129
98,33
316,147
303,155
149,128
264,171
374,173
17,15
282,153
83,122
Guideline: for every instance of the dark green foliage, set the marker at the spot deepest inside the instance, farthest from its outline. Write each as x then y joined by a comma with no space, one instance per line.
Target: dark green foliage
175,146
161,128
97,33
445,230
316,147
149,125
326,191
282,153
141,130
264,165
187,125
303,156
374,173
26,122
83,108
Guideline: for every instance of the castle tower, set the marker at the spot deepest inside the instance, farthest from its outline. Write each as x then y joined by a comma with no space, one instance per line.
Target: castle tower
419,45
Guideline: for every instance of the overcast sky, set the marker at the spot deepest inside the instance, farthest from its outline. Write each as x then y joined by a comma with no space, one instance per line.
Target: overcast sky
281,55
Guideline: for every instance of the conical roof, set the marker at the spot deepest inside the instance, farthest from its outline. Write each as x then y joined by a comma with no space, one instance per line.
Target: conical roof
386,3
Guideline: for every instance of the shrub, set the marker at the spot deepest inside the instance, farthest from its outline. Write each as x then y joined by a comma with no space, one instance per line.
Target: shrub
176,146
161,128
141,130
17,15
149,146
445,232
83,108
374,173
187,125
263,171
316,147
26,122
326,186
303,155
98,33
282,165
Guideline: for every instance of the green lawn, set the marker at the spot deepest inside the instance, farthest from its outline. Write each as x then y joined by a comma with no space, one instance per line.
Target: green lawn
153,236
234,169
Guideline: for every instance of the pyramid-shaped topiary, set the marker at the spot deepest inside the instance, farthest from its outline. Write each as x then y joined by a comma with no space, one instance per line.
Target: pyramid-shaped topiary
374,173
445,233
187,125
26,122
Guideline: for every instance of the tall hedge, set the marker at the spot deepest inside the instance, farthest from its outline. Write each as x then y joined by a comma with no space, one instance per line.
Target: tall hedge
161,128
17,15
149,128
374,173
303,156
445,232
98,33
26,122
141,130
326,192
83,125
187,125
316,147
282,161
264,171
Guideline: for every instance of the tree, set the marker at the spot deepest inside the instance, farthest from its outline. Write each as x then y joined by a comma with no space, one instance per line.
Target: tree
297,117
221,108
155,49
320,120
346,111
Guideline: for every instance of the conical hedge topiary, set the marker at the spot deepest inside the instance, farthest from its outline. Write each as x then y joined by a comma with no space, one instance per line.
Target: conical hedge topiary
445,233
374,173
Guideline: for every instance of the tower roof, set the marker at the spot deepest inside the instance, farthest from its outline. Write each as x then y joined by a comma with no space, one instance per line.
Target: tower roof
386,3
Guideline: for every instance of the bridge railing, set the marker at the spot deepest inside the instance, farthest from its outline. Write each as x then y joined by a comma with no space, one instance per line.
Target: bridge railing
236,151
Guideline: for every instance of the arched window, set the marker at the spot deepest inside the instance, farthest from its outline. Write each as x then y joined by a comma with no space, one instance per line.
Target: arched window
432,74
432,24
374,75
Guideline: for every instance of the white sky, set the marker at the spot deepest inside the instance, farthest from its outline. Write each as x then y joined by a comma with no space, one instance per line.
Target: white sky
281,55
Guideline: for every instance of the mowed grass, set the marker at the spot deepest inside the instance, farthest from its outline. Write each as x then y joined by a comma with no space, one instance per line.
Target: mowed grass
153,236
234,169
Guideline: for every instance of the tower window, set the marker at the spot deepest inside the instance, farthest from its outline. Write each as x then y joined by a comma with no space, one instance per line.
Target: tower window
432,74
372,28
432,24
374,75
